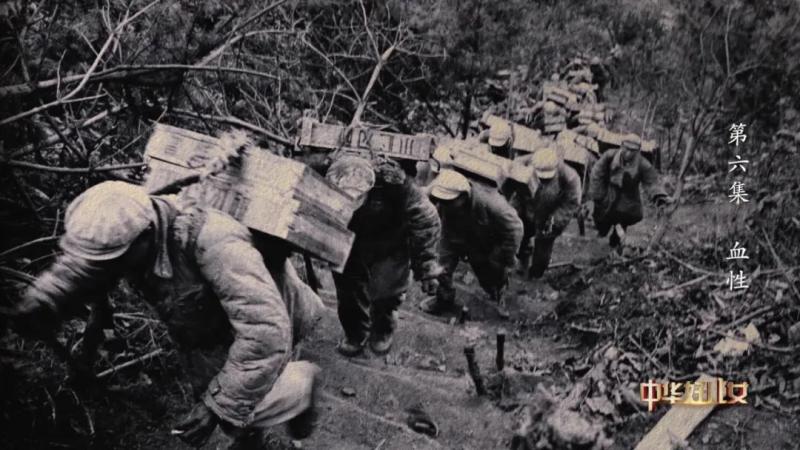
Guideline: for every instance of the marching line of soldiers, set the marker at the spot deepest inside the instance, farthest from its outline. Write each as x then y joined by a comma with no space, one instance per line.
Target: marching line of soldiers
235,307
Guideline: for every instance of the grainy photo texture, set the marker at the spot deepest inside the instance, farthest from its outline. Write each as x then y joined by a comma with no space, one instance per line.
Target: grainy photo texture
399,224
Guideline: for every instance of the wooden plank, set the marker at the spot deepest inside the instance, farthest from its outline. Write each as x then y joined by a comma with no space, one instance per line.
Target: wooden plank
677,424
365,140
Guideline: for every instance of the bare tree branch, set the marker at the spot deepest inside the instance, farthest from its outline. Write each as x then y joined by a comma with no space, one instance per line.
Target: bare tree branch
231,120
72,170
111,39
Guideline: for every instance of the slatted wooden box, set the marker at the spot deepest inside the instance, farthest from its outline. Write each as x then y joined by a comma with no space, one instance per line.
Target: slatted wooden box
558,93
526,139
365,140
266,192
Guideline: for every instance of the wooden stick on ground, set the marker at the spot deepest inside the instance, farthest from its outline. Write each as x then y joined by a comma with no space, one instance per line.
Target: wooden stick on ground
127,364
500,358
474,370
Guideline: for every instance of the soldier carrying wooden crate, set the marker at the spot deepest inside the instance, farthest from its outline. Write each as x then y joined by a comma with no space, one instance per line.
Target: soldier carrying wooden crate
546,207
479,224
233,311
397,231
500,138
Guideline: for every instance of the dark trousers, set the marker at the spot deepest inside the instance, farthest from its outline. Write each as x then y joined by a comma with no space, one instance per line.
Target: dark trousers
542,251
491,278
359,314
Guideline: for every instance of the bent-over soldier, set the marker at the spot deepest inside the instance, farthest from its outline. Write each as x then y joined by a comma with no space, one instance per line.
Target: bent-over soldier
233,311
546,206
479,224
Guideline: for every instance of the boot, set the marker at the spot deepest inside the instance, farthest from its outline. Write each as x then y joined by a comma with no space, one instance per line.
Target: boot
436,307
615,240
302,425
502,308
524,261
349,348
381,344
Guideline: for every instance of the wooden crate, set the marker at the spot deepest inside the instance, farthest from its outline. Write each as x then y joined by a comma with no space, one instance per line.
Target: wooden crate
525,139
266,192
520,172
365,140
589,113
631,141
473,159
558,93
588,143
580,74
569,150
554,123
649,146
609,138
573,107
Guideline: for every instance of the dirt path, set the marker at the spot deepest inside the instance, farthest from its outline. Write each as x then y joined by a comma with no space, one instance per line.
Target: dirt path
365,400
427,368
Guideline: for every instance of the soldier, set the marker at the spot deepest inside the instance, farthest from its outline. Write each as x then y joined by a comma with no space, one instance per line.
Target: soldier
546,206
397,230
233,311
614,189
599,77
477,222
500,138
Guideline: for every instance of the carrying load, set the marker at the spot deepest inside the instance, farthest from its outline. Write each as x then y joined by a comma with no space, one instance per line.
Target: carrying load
266,192
592,113
558,93
523,139
365,141
650,150
473,159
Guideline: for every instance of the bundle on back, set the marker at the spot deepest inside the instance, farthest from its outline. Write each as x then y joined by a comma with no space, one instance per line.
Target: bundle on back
266,192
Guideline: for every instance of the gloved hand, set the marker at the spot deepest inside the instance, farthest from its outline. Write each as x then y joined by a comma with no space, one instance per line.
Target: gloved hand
548,228
430,286
197,426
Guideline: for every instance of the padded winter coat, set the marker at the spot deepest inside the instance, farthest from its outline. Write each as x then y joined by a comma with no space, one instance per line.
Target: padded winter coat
397,229
489,227
614,188
556,201
220,301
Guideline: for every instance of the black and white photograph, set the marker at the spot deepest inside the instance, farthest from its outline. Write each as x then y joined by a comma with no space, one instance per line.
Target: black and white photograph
400,224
